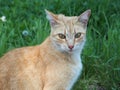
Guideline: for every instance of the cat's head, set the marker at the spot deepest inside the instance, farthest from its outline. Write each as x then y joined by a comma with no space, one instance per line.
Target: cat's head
68,33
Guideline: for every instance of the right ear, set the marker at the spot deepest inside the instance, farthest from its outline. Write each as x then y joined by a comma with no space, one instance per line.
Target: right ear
51,17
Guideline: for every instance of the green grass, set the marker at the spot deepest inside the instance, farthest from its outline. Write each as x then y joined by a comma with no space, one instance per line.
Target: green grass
101,54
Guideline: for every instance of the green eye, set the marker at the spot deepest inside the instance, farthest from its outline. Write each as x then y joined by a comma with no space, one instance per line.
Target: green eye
77,35
62,36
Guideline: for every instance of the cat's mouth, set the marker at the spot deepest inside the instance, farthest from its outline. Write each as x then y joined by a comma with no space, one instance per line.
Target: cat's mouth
70,50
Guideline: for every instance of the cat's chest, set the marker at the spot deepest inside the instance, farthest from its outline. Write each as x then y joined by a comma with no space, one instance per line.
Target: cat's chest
77,64
66,68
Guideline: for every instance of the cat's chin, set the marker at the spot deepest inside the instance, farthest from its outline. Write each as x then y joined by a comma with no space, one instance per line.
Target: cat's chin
67,51
70,51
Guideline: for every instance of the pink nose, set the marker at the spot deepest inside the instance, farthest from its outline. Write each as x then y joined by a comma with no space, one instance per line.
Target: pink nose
71,47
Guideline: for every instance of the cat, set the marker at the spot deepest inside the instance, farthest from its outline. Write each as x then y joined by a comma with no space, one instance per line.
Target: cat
53,65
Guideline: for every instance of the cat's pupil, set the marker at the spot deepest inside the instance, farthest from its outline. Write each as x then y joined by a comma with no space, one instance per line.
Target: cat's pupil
62,36
77,35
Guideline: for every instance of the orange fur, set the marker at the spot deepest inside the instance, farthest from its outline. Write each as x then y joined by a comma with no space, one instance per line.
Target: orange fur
45,67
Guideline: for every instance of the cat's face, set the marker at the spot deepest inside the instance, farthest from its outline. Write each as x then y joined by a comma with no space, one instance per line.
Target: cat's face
68,33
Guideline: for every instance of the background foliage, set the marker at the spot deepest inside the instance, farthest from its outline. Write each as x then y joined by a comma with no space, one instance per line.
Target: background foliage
101,54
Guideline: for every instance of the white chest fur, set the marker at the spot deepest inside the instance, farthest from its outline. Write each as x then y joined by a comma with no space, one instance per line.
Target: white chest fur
78,64
63,72
76,68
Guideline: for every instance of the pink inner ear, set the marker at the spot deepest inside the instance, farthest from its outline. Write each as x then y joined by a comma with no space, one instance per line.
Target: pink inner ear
84,17
84,21
53,22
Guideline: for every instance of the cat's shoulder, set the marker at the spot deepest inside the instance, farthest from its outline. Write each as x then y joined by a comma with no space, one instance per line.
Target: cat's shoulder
21,54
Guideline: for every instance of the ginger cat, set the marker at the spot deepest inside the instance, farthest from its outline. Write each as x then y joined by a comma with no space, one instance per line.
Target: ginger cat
53,65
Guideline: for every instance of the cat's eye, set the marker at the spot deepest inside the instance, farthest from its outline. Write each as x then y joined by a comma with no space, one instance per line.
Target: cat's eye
62,36
77,35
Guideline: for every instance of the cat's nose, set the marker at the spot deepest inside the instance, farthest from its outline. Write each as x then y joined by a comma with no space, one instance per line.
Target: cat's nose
71,47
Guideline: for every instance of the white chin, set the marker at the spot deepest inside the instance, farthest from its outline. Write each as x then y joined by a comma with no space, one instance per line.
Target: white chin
70,51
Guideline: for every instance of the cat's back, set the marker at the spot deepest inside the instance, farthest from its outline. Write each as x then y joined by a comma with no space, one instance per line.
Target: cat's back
25,54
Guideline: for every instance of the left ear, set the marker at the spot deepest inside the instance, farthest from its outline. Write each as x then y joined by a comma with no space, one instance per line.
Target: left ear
84,17
53,19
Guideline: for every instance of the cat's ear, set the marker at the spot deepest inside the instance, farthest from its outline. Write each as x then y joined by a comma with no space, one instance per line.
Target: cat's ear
51,17
84,17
